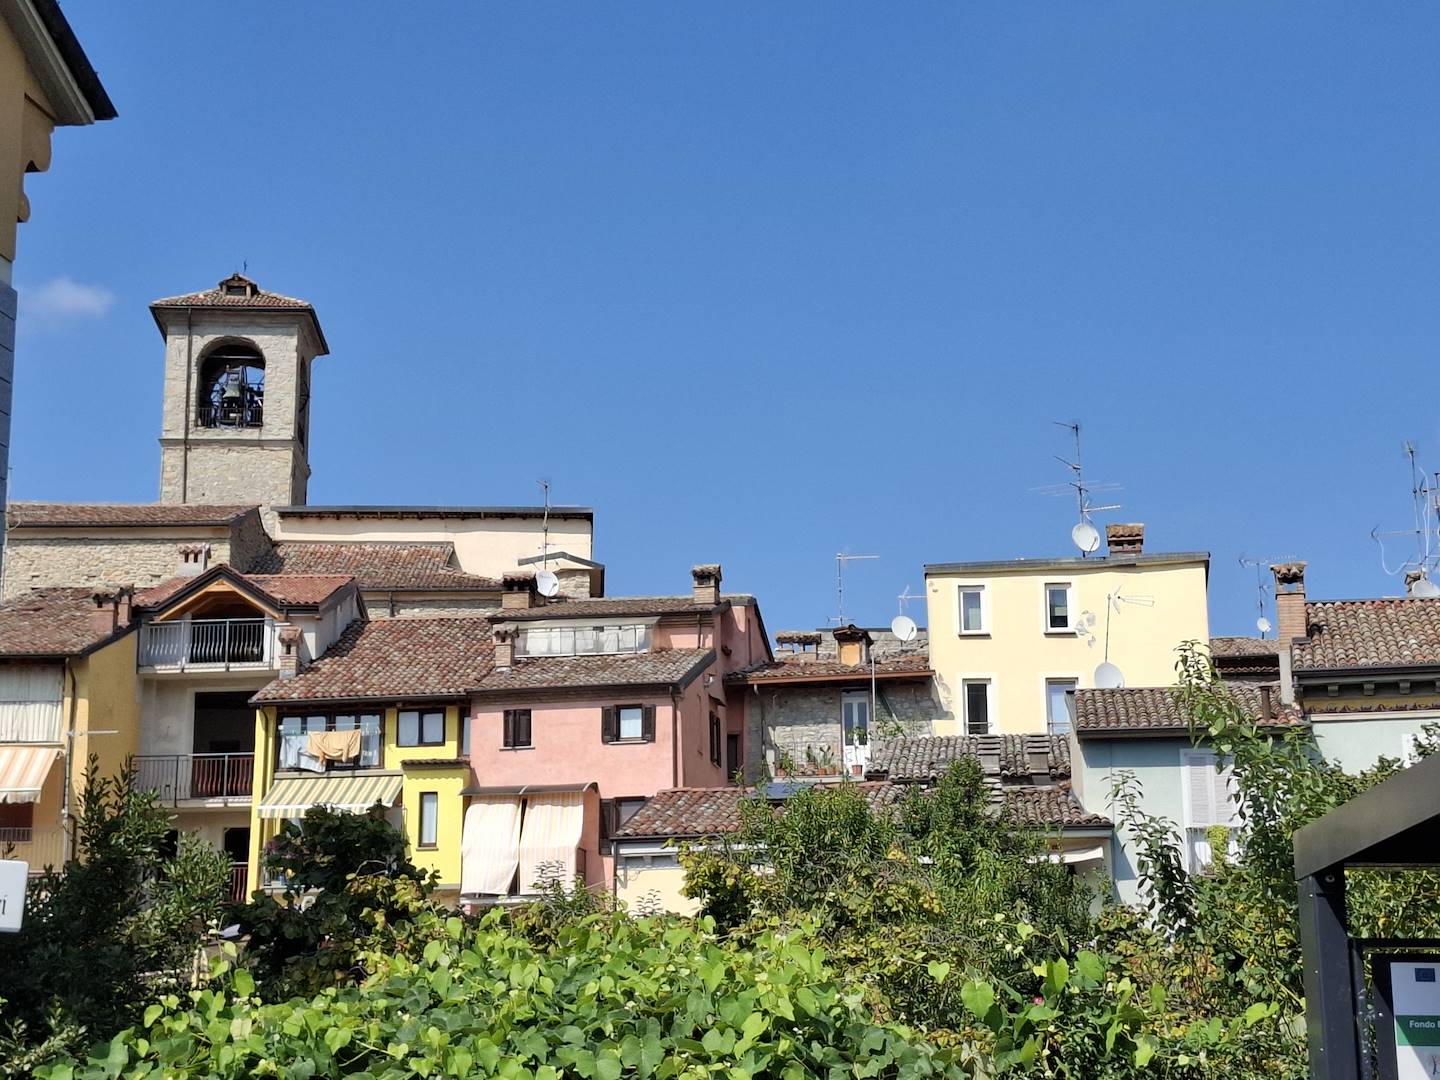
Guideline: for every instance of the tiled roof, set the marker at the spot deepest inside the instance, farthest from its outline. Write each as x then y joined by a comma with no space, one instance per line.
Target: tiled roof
712,811
120,515
561,607
1398,632
218,297
667,667
1005,756
285,590
1049,807
1227,647
1157,708
48,622
401,566
790,668
394,658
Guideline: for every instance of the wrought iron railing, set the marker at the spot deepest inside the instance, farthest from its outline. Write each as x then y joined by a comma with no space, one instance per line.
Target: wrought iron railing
177,777
231,415
208,643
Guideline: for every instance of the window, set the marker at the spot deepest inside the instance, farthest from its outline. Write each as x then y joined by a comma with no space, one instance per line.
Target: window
420,728
429,818
1210,803
582,640
16,821
1057,608
465,722
732,752
715,744
615,812
627,723
972,609
1060,705
517,729
295,732
625,809
855,718
232,388
977,706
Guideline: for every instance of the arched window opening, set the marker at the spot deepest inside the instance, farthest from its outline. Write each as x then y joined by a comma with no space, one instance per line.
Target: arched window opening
232,388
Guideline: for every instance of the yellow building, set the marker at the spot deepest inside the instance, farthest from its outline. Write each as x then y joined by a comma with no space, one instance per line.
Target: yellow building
1010,641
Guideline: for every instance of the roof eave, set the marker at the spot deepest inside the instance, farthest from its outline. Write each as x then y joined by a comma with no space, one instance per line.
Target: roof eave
1159,558
59,61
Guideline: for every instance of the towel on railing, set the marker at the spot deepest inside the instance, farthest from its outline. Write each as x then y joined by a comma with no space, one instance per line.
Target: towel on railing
334,745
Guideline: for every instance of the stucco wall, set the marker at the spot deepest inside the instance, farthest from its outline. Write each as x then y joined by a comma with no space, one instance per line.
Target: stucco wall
447,783
168,725
107,709
654,886
1018,656
1359,740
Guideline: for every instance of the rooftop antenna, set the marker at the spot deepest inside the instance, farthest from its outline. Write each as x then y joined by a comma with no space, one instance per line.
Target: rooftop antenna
1425,506
545,526
903,626
840,560
1262,586
1084,535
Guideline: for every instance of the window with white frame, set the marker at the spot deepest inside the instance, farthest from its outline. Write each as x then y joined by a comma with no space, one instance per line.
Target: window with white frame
1210,802
1057,608
630,718
972,610
976,693
1060,705
582,640
855,718
429,818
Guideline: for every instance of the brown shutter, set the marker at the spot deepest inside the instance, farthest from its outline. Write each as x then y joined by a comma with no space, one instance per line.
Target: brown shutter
647,723
609,817
608,724
523,735
509,727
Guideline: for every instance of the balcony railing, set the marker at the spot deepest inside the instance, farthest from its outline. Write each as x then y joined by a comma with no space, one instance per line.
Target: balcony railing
212,644
232,415
239,883
38,847
178,777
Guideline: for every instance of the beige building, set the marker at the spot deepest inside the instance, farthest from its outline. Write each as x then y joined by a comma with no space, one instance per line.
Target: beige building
1010,641
46,82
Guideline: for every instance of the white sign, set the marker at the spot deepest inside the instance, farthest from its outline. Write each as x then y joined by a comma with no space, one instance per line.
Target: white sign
14,877
1415,1001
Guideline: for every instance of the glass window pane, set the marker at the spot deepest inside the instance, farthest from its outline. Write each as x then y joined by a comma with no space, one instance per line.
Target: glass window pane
971,620
432,729
1058,606
1059,704
977,708
464,736
370,741
631,722
345,723
409,731
317,723
429,812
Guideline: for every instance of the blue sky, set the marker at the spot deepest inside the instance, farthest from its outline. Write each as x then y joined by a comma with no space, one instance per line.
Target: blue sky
765,282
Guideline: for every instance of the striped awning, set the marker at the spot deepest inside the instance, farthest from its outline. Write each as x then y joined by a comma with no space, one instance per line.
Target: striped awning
23,770
291,796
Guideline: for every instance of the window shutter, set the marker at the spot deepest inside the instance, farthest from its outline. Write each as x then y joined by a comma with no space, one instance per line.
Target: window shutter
608,724
509,727
522,728
609,817
647,723
1200,779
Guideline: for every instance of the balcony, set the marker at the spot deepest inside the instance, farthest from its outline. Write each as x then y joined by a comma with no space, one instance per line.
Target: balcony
239,883
208,645
223,779
232,414
38,847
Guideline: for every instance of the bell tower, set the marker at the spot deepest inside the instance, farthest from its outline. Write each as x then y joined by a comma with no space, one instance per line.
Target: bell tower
236,424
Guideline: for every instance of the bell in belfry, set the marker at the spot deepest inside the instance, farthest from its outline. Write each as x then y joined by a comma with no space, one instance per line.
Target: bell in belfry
233,390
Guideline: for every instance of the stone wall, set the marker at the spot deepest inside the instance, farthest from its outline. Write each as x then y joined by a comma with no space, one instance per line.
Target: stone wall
379,606
802,723
242,471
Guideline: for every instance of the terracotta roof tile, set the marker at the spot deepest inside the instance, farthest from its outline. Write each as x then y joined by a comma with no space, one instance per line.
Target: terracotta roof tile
121,515
790,668
1049,807
667,667
255,297
286,590
400,566
395,659
48,622
577,608
1157,708
1398,632
1006,757
1225,647
692,812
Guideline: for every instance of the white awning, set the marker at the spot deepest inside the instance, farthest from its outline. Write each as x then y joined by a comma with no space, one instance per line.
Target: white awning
551,835
490,845
23,770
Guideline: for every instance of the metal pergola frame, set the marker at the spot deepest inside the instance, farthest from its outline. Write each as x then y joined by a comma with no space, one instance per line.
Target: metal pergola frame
1395,824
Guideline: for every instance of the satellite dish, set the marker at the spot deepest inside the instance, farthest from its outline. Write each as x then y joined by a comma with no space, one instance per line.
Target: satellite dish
546,583
1262,624
1109,677
1425,587
1086,537
904,628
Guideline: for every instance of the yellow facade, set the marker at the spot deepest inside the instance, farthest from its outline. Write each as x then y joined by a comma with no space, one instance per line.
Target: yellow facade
1146,606
102,707
421,777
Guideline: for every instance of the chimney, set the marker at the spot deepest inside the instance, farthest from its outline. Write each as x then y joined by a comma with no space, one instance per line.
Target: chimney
802,645
112,609
1037,758
853,645
1126,539
504,638
289,651
1290,602
519,591
194,558
707,584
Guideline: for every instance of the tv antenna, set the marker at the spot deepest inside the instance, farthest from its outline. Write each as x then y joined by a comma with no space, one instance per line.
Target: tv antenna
1084,535
545,526
1262,588
1425,506
903,626
841,559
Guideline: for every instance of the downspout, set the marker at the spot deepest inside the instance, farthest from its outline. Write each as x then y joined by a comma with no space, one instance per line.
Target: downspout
674,738
185,419
67,837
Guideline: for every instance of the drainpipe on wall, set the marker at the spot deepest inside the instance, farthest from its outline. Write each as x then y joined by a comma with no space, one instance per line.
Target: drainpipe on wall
675,738
67,838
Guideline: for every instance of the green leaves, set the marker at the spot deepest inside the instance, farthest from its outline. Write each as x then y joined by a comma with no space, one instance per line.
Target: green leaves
977,997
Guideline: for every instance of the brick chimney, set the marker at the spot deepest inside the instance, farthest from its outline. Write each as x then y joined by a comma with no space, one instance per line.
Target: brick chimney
194,559
802,645
1290,601
504,638
853,645
707,584
1127,539
112,609
519,591
289,651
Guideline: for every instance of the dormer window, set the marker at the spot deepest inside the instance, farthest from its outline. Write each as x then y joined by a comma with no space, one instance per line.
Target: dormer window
237,285
582,640
232,388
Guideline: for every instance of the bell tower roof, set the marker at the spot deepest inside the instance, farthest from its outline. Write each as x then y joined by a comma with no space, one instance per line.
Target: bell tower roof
239,293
